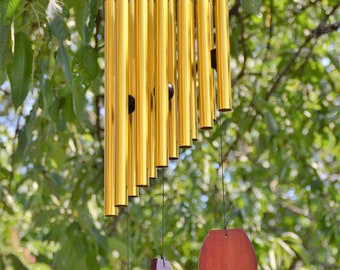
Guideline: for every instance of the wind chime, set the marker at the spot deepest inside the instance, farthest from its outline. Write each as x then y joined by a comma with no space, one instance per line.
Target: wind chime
151,51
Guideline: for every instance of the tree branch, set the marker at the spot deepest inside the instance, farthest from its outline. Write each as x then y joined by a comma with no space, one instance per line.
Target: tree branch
320,30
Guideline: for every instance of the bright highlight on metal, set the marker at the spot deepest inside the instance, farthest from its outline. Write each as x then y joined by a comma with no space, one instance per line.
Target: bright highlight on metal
204,63
223,51
184,72
162,92
172,75
131,171
121,104
152,171
152,51
109,180
193,91
142,92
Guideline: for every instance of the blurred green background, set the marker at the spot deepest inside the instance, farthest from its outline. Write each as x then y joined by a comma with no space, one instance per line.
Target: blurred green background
281,151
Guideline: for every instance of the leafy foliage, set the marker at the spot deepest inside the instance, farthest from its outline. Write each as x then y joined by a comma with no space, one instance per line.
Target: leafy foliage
280,145
21,66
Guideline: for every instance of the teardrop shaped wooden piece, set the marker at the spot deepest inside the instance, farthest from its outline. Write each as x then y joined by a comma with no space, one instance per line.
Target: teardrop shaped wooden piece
231,252
160,264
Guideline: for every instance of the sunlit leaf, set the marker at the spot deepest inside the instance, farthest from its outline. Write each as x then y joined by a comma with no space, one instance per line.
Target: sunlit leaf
11,7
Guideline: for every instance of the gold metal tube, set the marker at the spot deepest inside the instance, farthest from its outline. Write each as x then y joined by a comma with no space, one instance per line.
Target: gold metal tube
151,89
109,186
162,93
204,64
193,94
142,92
131,172
121,104
184,72
211,70
173,137
223,56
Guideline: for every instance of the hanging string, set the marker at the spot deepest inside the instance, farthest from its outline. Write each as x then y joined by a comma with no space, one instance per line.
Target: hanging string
222,179
128,238
163,215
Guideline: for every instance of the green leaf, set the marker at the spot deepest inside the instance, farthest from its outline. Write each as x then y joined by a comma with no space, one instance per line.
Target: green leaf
271,123
11,8
21,149
79,101
20,70
91,20
263,141
4,173
334,60
86,64
59,28
80,8
63,59
251,6
54,110
119,246
3,77
67,108
5,43
16,262
58,154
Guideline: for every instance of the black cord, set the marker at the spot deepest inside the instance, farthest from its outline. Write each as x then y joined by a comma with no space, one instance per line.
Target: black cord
222,179
163,215
128,238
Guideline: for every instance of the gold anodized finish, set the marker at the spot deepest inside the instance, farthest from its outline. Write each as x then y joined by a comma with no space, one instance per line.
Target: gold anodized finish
162,95
204,64
211,70
193,93
131,172
109,186
121,103
143,56
184,72
142,92
172,74
223,56
152,171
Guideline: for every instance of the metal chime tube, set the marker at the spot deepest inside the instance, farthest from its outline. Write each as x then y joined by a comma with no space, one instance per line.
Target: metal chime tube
131,172
173,137
151,90
109,186
204,64
162,93
211,70
184,72
121,103
142,92
193,94
223,56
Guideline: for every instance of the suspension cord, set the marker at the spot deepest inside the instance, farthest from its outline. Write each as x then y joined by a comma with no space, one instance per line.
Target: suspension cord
222,179
128,238
163,215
